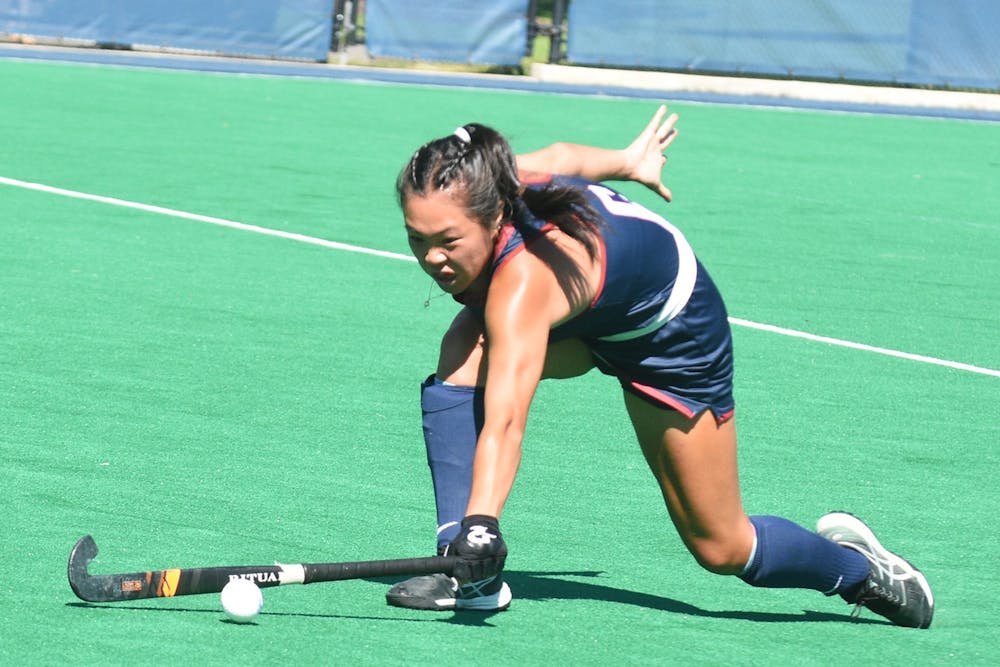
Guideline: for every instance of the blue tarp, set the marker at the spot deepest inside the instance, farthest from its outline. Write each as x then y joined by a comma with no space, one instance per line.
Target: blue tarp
466,31
296,29
934,42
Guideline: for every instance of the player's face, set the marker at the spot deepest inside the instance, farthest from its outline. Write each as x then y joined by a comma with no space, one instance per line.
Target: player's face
452,248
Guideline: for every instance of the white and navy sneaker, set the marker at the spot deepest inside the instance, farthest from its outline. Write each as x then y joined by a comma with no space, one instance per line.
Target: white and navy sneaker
439,592
894,588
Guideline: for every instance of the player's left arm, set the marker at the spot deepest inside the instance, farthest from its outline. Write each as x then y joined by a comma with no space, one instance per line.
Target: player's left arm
641,161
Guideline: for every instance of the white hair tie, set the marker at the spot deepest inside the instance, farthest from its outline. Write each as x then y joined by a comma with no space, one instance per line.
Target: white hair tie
464,135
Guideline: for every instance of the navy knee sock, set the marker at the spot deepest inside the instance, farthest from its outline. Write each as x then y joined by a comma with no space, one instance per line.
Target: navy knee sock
452,418
789,556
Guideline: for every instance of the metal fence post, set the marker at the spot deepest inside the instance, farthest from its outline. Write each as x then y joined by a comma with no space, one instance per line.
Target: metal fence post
555,46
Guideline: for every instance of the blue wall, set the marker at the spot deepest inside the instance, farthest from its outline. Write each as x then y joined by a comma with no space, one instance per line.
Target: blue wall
937,42
933,42
296,29
466,31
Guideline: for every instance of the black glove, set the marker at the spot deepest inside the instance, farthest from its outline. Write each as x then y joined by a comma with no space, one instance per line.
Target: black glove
479,547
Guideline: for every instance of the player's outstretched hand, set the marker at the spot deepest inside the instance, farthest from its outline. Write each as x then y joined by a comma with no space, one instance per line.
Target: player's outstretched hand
479,547
645,155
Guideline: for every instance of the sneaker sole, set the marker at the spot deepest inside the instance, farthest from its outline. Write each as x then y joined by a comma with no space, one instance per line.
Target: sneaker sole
842,522
499,601
445,604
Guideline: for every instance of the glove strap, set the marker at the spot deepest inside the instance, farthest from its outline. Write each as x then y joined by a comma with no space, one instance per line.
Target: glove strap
490,522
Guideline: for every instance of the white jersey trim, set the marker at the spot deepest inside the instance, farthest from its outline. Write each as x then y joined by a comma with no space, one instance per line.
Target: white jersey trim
687,264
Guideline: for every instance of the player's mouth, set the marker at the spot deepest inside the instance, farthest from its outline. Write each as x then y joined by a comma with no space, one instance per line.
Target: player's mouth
444,280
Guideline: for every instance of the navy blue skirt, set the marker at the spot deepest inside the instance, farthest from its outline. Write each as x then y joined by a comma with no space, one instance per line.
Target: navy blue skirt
685,365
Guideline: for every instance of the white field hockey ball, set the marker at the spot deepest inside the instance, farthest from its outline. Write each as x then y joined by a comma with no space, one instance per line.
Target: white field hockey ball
242,600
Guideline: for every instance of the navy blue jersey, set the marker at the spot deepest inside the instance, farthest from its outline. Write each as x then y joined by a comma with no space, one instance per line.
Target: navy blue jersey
657,322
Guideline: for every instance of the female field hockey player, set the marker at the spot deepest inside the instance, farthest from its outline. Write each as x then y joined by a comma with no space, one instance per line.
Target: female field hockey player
561,274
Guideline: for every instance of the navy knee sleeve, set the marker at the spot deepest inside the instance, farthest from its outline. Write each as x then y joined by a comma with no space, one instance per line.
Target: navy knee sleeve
789,556
452,419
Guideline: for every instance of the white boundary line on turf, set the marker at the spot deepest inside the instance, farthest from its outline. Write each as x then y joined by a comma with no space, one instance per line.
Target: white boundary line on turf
302,238
861,346
201,218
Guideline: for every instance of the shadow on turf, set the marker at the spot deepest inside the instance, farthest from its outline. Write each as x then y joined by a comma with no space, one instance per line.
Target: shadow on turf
554,586
264,615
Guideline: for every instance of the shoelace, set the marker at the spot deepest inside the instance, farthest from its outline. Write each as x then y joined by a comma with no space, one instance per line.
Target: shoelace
884,568
875,592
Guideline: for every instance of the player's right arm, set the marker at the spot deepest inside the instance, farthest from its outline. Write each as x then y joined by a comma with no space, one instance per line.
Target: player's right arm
641,161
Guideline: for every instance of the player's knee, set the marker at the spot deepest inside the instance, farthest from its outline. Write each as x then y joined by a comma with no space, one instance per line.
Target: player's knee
720,555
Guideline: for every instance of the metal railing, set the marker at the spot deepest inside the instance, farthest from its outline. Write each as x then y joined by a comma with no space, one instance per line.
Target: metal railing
554,30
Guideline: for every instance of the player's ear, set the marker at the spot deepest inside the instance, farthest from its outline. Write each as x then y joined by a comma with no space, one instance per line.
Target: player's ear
500,214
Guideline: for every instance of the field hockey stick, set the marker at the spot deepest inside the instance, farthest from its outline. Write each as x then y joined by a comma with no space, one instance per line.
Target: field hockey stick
200,580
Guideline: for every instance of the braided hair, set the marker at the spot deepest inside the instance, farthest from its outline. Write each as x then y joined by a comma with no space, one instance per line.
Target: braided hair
478,163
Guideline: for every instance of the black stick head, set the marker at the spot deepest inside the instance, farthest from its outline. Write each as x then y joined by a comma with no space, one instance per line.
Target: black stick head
79,559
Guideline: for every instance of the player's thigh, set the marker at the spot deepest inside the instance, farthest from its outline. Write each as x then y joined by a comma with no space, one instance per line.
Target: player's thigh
694,462
462,358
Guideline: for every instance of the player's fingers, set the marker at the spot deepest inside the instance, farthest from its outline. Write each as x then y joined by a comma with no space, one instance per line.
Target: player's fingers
668,137
654,123
668,125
